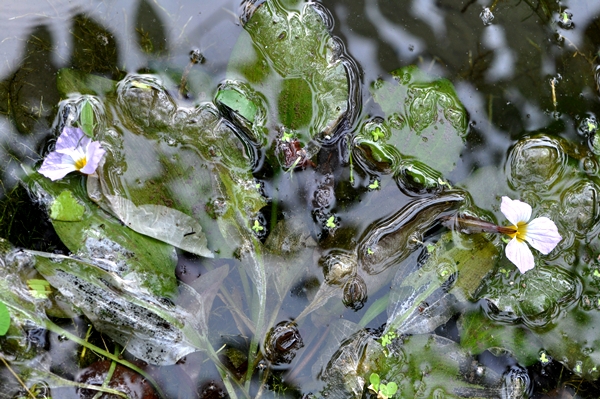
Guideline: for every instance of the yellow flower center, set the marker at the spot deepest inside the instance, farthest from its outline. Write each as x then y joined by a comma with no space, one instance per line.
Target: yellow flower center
519,231
80,163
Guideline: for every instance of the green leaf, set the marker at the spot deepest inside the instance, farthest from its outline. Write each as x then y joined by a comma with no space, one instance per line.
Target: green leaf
86,119
246,108
4,319
238,103
391,388
294,103
257,227
65,208
331,222
374,380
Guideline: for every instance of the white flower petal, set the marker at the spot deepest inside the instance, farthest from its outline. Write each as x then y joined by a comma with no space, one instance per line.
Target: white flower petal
542,234
71,139
519,253
56,166
515,211
93,156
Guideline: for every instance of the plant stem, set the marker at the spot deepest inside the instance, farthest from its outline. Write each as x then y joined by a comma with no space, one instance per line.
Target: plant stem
109,375
261,291
58,330
17,377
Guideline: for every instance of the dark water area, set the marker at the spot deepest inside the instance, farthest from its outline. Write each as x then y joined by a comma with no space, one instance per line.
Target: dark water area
527,75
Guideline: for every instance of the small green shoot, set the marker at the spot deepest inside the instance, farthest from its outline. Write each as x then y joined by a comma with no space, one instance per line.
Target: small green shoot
377,134
596,273
4,319
39,289
86,119
370,251
430,248
592,125
564,16
257,227
387,339
331,222
287,137
383,391
375,381
565,20
374,185
296,162
544,358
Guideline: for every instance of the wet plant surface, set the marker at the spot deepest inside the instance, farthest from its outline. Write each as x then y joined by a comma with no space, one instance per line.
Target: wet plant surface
291,199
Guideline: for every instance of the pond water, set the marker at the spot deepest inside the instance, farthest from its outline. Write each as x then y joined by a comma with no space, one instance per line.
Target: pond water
271,216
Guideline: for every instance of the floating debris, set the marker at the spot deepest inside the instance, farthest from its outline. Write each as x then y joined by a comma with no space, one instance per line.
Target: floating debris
486,16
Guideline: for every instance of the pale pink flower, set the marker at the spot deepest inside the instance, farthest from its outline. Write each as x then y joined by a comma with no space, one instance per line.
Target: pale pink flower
74,152
541,233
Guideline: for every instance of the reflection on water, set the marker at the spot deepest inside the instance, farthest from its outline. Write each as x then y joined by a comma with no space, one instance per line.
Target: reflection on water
526,79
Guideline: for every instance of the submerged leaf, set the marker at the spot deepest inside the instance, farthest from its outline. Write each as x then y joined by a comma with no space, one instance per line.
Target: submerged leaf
421,300
290,56
419,366
40,289
74,81
426,119
161,222
478,333
388,242
171,171
150,328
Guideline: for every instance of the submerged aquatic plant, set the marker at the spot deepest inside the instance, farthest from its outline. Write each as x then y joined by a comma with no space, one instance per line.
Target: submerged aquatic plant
541,233
74,152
